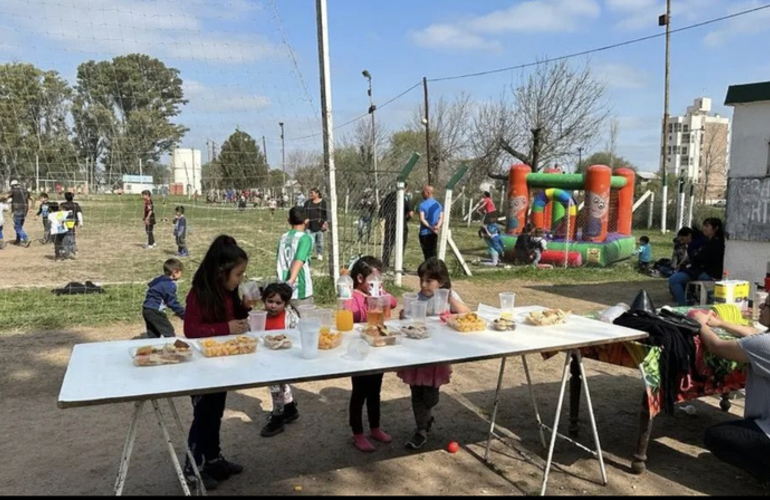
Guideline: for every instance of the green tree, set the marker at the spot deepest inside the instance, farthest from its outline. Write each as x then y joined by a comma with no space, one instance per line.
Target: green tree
34,106
123,110
604,158
241,162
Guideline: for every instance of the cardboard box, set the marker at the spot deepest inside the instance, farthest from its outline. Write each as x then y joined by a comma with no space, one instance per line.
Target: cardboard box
732,292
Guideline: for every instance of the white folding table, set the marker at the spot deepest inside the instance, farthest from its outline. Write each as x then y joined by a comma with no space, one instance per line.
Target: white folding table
103,372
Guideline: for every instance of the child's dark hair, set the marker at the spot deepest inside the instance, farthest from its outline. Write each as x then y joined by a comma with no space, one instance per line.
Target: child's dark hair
487,194
716,223
69,196
44,195
490,218
644,240
223,255
146,192
179,209
364,267
538,232
435,269
171,266
297,216
281,289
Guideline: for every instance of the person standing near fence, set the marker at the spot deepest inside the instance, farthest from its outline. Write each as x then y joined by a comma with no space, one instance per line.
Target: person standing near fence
149,218
431,216
20,206
366,212
318,215
74,220
388,213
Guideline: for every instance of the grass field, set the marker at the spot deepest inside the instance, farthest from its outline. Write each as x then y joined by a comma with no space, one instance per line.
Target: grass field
111,253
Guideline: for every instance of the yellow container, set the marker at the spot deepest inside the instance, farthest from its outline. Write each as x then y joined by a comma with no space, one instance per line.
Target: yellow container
732,292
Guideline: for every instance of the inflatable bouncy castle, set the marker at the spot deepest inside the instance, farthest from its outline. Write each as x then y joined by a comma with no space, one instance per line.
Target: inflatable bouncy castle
597,235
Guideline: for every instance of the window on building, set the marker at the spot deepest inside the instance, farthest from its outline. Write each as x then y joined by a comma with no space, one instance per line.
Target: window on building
684,150
685,161
686,128
686,137
670,128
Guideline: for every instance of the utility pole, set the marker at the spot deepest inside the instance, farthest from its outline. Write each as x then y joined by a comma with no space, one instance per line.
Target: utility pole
283,156
328,132
665,19
426,122
264,151
372,108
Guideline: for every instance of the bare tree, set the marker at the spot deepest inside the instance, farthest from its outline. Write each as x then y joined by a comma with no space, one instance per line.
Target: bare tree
713,162
545,119
613,139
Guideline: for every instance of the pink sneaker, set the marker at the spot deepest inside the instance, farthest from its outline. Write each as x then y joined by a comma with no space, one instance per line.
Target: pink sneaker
381,436
363,444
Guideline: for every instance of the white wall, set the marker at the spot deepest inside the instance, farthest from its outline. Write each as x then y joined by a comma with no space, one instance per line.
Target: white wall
186,168
750,136
747,260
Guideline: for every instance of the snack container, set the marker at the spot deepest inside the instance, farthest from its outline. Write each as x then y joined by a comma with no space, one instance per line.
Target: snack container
162,354
330,340
230,345
392,338
276,342
468,322
416,333
504,325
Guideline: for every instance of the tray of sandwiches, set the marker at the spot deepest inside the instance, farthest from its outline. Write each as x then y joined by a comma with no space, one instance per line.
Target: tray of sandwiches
170,353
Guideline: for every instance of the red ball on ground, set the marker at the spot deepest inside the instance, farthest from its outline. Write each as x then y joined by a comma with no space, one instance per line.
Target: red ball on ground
453,447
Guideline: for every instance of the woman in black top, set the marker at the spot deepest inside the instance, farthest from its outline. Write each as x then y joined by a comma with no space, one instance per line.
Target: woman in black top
318,215
704,265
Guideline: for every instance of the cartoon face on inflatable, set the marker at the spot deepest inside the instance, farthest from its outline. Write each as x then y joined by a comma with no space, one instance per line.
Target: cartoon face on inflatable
518,203
597,204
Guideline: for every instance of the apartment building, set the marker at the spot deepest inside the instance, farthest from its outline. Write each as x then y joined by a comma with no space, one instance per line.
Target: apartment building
698,148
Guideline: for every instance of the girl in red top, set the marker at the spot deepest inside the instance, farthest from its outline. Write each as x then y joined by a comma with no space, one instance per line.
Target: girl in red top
366,388
280,316
214,309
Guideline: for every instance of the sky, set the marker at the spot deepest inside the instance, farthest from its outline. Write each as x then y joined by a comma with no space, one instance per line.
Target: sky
253,64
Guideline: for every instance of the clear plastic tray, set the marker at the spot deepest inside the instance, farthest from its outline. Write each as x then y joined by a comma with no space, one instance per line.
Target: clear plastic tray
330,340
230,345
393,337
467,322
415,332
161,353
276,342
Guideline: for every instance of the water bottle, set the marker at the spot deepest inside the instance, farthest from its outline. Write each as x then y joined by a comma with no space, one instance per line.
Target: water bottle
344,285
612,313
375,286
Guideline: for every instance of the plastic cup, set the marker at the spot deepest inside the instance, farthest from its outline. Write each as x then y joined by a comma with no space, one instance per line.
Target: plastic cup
507,303
358,350
309,331
257,321
325,317
440,301
250,290
375,311
408,297
418,312
306,311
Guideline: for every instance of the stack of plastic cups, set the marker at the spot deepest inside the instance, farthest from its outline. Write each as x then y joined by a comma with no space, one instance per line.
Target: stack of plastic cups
440,302
310,331
408,297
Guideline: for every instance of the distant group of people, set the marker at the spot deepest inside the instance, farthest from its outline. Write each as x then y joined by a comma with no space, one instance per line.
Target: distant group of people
61,221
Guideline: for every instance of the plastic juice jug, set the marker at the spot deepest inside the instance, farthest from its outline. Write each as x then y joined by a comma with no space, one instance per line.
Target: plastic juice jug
343,318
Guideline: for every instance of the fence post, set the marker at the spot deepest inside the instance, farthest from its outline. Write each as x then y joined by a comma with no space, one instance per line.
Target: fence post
447,211
400,185
652,210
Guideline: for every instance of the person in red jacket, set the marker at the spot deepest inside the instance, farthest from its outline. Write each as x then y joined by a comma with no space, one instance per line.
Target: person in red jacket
214,309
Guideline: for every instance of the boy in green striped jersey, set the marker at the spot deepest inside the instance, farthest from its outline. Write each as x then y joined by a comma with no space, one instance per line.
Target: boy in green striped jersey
293,262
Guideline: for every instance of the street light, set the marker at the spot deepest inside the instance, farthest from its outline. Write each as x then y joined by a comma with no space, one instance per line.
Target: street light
372,108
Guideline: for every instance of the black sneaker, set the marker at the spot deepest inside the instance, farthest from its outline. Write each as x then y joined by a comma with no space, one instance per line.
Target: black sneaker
417,441
274,426
208,482
430,424
290,412
221,469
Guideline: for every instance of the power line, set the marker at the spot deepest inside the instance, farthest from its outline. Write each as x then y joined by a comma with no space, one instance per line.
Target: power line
600,49
353,120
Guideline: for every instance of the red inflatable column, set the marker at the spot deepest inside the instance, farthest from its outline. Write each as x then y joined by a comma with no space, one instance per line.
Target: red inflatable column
518,198
626,201
598,179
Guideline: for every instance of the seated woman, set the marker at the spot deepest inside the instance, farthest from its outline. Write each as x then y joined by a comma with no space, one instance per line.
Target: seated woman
523,251
705,264
743,443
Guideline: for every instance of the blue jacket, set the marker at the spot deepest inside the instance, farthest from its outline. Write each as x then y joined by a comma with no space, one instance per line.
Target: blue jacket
162,294
180,227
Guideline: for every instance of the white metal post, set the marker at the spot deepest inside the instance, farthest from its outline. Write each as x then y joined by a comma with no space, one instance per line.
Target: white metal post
470,213
328,135
652,210
37,173
399,231
664,209
445,225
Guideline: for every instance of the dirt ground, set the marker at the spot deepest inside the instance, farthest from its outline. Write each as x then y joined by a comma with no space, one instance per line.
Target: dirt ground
47,450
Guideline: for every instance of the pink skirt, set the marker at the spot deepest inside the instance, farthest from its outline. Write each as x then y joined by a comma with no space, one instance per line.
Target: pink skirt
433,375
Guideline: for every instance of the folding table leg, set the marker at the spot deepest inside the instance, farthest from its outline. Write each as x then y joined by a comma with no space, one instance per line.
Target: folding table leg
494,409
579,358
534,402
128,445
201,489
174,459
554,430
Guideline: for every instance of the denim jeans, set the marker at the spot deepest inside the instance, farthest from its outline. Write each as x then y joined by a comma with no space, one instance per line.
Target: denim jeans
677,283
18,226
318,240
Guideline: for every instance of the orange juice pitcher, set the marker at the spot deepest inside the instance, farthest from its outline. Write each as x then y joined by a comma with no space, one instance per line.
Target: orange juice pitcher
343,317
